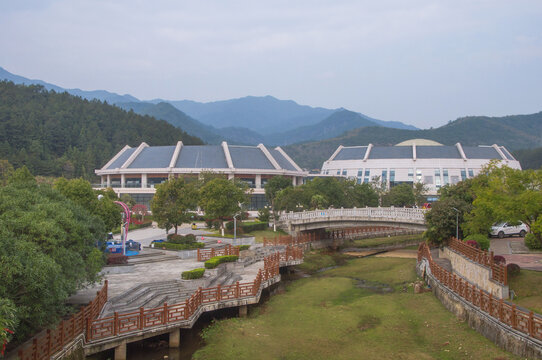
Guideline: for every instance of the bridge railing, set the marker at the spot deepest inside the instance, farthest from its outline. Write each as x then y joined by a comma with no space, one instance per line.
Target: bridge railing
526,322
54,340
119,324
206,254
379,213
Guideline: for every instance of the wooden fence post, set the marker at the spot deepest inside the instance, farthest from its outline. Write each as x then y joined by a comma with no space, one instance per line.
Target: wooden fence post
89,334
513,317
141,318
35,349
48,342
531,324
218,292
165,317
237,292
116,323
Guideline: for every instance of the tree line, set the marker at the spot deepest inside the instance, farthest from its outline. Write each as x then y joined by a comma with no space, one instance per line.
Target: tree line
497,194
58,134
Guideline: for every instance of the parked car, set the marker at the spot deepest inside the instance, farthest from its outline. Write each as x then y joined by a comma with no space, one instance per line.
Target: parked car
504,229
157,242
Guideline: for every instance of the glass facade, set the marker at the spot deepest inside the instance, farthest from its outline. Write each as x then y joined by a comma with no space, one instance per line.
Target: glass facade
257,201
446,180
463,174
418,175
410,175
437,178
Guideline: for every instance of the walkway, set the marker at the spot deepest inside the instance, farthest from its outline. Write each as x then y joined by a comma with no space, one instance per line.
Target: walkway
514,251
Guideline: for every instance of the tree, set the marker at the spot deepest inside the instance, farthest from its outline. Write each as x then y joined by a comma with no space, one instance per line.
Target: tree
47,250
360,195
6,169
172,203
419,190
400,195
290,199
221,198
379,187
272,188
506,195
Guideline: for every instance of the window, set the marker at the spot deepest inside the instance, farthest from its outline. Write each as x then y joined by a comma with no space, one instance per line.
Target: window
437,178
339,172
360,172
392,175
264,181
471,173
367,177
463,174
418,175
344,172
251,182
384,176
446,180
359,181
411,175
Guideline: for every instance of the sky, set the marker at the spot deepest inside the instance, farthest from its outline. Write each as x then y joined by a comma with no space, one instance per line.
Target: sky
420,62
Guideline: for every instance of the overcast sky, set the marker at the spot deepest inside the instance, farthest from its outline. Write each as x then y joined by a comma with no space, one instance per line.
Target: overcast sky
418,61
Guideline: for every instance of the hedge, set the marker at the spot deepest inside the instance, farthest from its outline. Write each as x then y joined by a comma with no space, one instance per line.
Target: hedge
244,247
481,239
193,274
172,246
179,239
217,260
116,259
247,227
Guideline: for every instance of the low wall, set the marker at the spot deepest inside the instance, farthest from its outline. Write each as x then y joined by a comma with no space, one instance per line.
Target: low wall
475,273
503,335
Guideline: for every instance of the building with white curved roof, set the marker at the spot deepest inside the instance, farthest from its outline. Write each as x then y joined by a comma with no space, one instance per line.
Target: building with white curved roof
136,171
417,160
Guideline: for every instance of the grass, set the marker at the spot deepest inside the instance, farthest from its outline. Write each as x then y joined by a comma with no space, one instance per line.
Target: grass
316,260
342,314
386,241
527,289
260,234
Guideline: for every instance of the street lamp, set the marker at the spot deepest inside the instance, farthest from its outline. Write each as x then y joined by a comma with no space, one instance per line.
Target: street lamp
235,227
456,223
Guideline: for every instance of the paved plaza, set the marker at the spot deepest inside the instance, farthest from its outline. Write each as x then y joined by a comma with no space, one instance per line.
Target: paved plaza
514,251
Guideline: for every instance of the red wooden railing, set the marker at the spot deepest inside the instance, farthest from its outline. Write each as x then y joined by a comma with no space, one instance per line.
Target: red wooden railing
498,272
290,240
206,254
51,341
119,324
349,233
526,322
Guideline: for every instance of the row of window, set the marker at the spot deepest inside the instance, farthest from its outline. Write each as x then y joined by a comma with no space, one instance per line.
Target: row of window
364,176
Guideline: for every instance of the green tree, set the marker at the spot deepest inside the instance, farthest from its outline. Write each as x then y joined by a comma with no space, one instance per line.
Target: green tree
290,199
47,250
419,190
8,320
505,194
272,188
6,169
172,203
400,195
379,187
359,195
221,198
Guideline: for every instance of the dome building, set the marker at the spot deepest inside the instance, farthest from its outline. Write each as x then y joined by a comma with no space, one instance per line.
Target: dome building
417,160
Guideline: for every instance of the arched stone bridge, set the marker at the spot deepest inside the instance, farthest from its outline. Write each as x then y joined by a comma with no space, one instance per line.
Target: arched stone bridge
408,218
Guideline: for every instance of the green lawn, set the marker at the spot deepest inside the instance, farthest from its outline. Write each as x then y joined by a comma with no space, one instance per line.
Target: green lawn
365,309
527,288
258,234
383,241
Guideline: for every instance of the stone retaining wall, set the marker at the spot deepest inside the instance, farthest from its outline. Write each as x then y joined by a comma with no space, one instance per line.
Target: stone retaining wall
502,335
475,273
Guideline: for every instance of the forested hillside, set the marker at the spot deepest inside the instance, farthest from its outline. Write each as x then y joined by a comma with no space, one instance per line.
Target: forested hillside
514,132
57,134
529,158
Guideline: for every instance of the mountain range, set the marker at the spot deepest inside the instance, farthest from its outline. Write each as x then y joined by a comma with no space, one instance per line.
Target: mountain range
247,120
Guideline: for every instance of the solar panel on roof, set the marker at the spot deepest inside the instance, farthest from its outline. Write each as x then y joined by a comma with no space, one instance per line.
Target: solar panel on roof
437,152
202,156
249,157
153,157
391,152
481,152
351,153
122,158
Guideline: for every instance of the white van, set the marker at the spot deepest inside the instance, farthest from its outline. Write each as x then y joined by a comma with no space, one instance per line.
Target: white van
504,229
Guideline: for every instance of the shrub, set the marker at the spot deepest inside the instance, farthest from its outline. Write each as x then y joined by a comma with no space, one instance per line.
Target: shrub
244,247
532,242
263,215
193,274
512,270
499,260
229,226
173,246
189,238
217,260
481,239
254,226
116,259
472,243
175,238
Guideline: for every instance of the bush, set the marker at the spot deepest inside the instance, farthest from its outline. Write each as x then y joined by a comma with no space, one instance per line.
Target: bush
472,243
116,259
512,270
244,247
263,215
254,226
532,242
189,238
481,239
179,239
173,246
217,260
229,226
499,260
193,274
